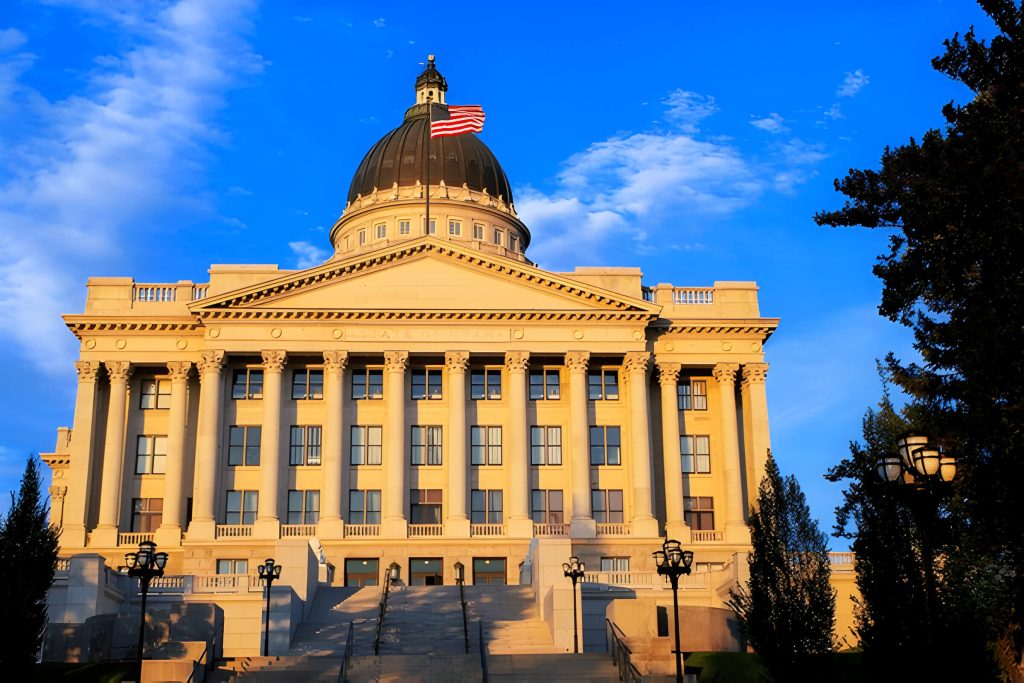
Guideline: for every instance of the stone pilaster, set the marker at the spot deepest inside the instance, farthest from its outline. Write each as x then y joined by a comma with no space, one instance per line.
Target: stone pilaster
644,522
268,521
518,452
331,494
755,419
80,480
206,481
395,524
105,534
169,533
735,506
581,524
456,523
668,377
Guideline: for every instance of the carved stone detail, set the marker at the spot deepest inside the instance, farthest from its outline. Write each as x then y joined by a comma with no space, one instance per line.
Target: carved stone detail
754,373
577,361
396,361
668,373
517,361
273,361
118,370
456,361
57,493
179,369
637,361
335,360
726,373
210,363
87,370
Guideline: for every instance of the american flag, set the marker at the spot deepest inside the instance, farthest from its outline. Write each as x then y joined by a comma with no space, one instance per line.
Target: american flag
462,118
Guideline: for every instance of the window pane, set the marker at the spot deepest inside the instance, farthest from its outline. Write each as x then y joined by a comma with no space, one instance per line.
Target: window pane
316,384
536,385
299,384
554,445
255,384
252,445
312,507
358,385
356,507
376,383
238,385
612,445
312,445
552,382
159,454
594,386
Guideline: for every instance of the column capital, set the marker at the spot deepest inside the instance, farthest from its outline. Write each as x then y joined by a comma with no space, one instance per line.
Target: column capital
754,373
87,370
118,370
335,360
210,361
668,373
577,361
179,369
456,361
725,373
57,493
396,361
273,361
517,361
636,362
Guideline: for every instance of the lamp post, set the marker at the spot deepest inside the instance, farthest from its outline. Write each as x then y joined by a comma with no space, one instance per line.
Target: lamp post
922,474
575,570
394,571
269,573
147,564
460,578
673,562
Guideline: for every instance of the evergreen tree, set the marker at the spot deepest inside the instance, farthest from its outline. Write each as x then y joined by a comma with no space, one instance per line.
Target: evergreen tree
28,553
787,610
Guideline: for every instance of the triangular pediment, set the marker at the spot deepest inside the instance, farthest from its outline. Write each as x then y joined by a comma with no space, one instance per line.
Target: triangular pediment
426,276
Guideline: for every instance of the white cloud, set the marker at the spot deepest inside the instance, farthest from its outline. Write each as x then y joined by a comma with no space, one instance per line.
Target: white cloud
771,123
307,254
835,112
380,22
302,19
11,39
796,163
853,83
686,109
111,161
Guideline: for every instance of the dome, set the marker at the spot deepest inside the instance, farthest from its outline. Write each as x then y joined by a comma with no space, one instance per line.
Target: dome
457,160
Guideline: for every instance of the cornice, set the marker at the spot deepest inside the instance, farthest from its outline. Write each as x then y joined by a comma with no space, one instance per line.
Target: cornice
81,324
763,327
247,314
56,461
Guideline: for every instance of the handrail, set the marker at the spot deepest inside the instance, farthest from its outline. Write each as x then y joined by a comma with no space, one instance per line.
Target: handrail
381,612
621,654
203,660
349,646
465,616
483,651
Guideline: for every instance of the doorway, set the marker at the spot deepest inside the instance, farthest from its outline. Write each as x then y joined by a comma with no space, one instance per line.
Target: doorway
426,571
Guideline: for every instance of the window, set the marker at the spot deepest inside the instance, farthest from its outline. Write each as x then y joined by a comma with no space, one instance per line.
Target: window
432,228
362,237
382,230
403,228
426,571
361,572
486,507
499,237
368,383
425,506
303,507
304,446
699,512
363,506
425,445
607,505
244,446
693,395
364,445
603,385
455,228
696,453
156,393
241,507
308,384
605,446
545,445
232,566
546,506
248,383
489,571
485,445
615,564
478,231
147,514
485,384
151,455
513,242
426,384
544,384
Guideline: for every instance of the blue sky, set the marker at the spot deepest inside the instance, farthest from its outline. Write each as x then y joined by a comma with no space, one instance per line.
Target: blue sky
694,140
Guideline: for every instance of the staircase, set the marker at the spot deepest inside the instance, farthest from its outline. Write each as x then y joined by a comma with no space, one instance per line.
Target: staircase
510,620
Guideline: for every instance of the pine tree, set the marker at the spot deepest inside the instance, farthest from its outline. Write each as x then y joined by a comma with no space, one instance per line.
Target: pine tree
28,552
787,609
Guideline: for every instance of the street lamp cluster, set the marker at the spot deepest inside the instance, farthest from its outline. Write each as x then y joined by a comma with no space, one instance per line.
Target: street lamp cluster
147,564
574,569
674,562
269,572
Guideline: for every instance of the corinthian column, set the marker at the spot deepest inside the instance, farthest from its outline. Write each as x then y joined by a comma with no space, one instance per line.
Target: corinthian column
457,522
113,455
268,523
169,533
203,525
581,524
80,481
519,523
735,506
331,523
644,522
668,376
395,524
755,420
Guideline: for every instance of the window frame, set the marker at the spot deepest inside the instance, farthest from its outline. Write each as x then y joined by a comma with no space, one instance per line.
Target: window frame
424,506
233,564
380,231
499,237
687,396
153,518
246,445
597,379
478,231
606,513
365,508
484,448
488,513
426,445
405,227
307,448
548,510
308,506
151,462
454,227
155,396
694,453
245,510
247,392
432,379
605,449
542,377
367,374
366,445
546,448
695,514
308,373
487,373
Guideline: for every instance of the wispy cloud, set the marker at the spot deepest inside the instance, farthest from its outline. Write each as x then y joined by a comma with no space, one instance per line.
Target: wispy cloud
11,39
773,123
307,255
686,109
853,83
380,22
113,159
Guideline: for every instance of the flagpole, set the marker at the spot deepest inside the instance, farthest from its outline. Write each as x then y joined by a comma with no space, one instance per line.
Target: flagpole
430,119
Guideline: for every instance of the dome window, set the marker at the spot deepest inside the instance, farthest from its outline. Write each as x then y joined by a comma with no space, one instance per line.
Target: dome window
455,228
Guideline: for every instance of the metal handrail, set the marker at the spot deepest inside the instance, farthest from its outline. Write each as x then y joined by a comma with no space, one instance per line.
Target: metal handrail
621,654
203,660
465,616
350,641
381,612
483,651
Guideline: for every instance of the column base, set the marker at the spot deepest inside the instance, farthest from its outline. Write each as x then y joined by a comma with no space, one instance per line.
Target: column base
103,537
678,531
331,529
201,530
72,536
456,527
394,527
646,527
520,527
582,527
738,533
267,529
168,536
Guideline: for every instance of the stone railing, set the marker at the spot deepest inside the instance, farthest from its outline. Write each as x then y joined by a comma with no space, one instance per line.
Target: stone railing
234,530
550,529
486,529
701,536
358,530
134,537
168,292
612,529
298,530
693,295
226,583
626,579
169,584
842,562
418,530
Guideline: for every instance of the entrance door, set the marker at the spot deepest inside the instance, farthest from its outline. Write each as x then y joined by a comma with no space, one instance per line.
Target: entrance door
359,572
489,570
425,571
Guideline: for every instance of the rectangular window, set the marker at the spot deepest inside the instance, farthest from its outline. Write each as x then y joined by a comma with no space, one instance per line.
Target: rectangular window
603,385
546,506
485,445
478,231
308,384
425,445
365,445
696,454
147,514
304,445
693,395
426,384
303,507
455,228
615,564
425,506
607,505
248,383
513,242
233,567
605,446
544,384
368,384
241,507
486,507
499,237
699,512
485,384
382,230
545,445
151,455
363,506
244,446
362,237
155,394
432,229
403,227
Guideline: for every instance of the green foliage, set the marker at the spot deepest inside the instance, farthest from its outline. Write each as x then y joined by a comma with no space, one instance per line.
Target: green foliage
28,554
787,610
